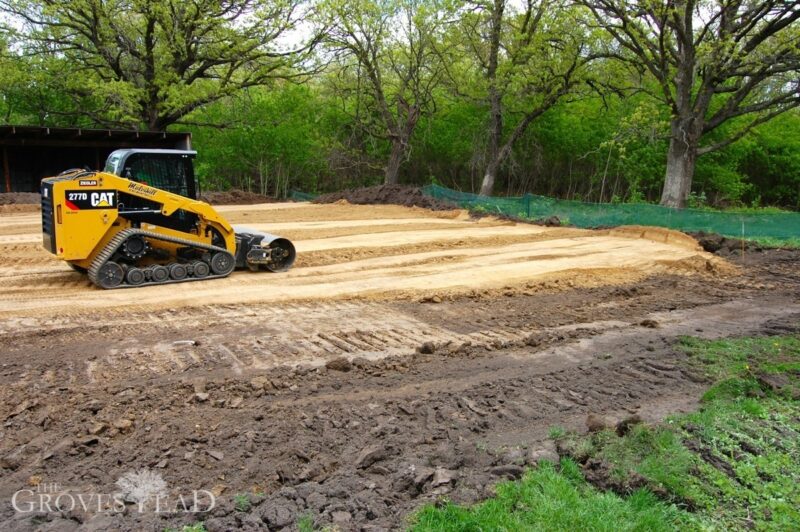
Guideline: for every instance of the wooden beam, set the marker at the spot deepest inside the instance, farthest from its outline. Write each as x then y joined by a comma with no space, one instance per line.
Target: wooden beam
6,171
102,142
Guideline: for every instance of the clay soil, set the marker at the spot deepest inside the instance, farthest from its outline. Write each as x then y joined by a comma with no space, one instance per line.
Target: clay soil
410,356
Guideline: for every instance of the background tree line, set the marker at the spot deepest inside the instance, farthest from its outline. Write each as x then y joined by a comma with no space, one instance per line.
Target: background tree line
675,101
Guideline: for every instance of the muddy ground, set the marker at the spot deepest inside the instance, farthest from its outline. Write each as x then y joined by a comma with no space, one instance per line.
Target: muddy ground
359,405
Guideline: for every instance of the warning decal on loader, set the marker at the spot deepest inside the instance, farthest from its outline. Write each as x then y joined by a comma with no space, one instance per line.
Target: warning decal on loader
77,200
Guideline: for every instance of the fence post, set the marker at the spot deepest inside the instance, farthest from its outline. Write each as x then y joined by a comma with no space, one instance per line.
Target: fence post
527,199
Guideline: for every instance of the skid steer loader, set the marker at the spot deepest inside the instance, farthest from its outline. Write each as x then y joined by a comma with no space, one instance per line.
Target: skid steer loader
139,223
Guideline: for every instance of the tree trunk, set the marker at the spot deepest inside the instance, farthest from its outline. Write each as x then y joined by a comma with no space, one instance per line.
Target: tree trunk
395,158
495,135
681,160
401,137
495,163
495,102
489,176
153,122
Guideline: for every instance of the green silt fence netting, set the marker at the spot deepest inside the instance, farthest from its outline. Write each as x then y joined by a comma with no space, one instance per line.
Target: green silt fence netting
784,225
780,226
296,195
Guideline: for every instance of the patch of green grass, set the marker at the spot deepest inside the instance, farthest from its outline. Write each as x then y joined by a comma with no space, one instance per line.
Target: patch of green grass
769,242
554,498
734,365
556,432
306,523
197,527
736,461
734,464
241,502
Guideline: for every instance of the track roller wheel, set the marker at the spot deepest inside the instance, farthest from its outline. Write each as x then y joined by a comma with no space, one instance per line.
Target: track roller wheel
159,273
200,269
135,247
222,263
110,275
178,271
135,276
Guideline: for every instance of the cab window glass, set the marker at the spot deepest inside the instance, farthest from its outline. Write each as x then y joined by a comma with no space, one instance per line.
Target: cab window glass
165,173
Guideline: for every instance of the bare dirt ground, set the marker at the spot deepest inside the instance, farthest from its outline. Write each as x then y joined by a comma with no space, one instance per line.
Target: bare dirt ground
409,356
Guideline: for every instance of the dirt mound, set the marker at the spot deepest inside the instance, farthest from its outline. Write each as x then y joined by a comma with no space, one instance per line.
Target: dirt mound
235,197
387,194
722,245
20,198
656,234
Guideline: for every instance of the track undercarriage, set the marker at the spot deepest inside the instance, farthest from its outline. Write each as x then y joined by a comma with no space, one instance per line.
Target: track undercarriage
135,257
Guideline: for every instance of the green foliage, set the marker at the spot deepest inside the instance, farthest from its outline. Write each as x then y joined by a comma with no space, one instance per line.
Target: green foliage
554,498
329,131
242,502
197,527
279,141
150,63
306,524
734,462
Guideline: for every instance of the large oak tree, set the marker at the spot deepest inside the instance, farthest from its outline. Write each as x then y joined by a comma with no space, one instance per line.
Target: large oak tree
149,63
713,61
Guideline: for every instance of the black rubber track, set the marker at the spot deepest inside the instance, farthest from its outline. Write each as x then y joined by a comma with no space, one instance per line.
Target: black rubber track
122,236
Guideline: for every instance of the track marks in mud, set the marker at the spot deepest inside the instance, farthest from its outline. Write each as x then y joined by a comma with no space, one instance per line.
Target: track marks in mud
291,335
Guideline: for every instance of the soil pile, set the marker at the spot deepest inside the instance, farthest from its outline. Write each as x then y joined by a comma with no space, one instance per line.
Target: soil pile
387,194
20,198
722,245
235,197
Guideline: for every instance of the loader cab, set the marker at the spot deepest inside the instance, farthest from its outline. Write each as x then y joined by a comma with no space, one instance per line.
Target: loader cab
170,170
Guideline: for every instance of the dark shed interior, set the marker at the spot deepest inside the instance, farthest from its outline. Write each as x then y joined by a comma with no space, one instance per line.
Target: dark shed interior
30,153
